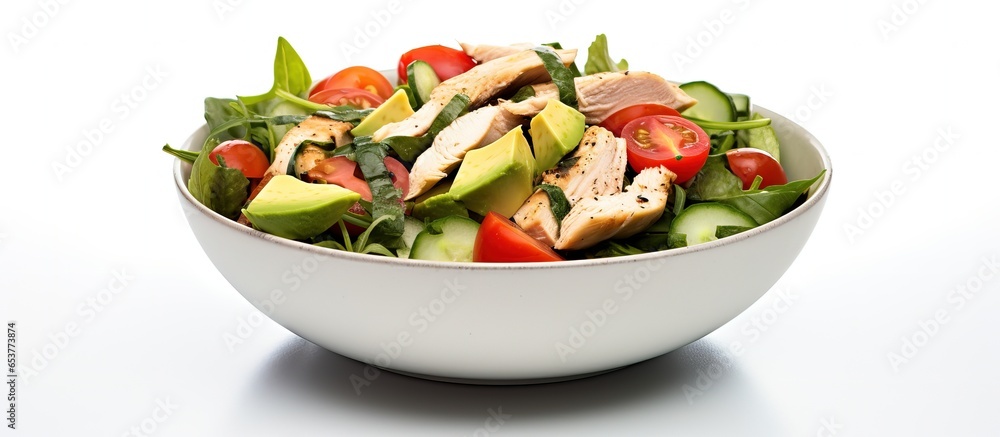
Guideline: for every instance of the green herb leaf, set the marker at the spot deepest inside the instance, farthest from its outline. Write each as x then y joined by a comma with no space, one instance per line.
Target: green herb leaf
714,180
771,202
526,92
408,148
572,67
386,198
184,155
762,138
290,75
557,201
561,76
725,231
599,60
345,114
221,189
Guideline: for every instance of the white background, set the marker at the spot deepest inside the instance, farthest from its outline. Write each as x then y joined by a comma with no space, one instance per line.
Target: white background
876,81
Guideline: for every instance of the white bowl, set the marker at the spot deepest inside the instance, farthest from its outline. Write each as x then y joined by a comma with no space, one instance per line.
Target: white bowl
510,323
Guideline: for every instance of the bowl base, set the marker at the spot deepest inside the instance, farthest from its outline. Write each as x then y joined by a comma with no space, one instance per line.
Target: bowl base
525,381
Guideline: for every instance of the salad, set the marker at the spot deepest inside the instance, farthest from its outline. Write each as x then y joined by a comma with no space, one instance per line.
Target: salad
491,154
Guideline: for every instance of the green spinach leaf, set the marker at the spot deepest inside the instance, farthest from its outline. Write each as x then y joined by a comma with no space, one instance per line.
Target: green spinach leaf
386,198
222,189
290,75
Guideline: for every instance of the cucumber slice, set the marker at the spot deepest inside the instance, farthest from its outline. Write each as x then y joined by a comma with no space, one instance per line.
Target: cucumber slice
447,239
411,228
700,222
422,79
713,104
741,102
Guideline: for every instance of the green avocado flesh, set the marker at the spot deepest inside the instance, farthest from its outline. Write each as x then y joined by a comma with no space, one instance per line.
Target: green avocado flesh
290,208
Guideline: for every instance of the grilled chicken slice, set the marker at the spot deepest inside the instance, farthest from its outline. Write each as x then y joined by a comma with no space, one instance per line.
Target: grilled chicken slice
603,94
600,95
481,83
470,131
312,128
486,53
598,171
619,215
531,106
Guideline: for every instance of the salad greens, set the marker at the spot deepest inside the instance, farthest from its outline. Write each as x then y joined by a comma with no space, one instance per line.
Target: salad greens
713,201
599,60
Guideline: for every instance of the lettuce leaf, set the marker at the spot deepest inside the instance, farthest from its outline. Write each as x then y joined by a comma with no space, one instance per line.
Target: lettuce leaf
599,60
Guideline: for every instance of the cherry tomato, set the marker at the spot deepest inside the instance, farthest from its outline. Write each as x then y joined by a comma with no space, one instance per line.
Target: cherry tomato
360,99
446,61
500,240
746,163
241,155
617,121
362,78
673,142
342,171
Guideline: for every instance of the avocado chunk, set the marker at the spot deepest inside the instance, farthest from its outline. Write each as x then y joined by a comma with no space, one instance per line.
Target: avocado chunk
555,131
290,208
497,177
395,109
438,203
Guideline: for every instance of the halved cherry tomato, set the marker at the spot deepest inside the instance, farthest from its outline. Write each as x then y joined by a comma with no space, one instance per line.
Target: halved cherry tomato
342,171
360,99
362,78
673,142
446,61
499,240
746,163
243,156
617,121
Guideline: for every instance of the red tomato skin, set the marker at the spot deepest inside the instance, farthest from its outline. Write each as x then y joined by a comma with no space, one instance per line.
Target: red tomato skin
693,154
499,240
360,99
446,61
617,121
241,155
357,77
746,163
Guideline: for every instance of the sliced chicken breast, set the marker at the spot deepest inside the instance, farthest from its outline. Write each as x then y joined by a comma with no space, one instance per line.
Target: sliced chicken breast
312,128
600,95
598,171
603,94
619,215
482,83
531,106
470,131
486,53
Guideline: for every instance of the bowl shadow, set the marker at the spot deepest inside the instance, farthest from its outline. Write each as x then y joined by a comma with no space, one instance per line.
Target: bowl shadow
302,372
